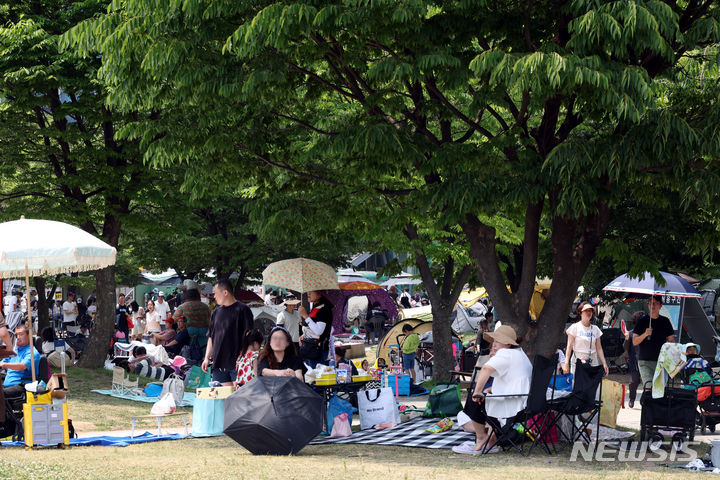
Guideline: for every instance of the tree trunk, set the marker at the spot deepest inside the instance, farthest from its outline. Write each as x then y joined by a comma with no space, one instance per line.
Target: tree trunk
94,354
43,315
574,243
443,362
443,297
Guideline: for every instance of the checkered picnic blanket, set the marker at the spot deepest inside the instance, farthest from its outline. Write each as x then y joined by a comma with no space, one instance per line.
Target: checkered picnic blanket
412,434
409,434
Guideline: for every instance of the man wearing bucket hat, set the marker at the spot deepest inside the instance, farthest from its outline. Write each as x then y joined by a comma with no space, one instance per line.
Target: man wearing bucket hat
290,319
510,370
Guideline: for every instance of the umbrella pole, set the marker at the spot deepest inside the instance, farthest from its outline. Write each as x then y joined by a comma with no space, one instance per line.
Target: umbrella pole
30,322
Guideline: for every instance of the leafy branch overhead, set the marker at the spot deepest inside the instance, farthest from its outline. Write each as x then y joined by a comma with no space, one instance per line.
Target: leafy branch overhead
518,125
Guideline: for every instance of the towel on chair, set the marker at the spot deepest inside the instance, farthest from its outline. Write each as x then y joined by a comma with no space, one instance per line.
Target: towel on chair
671,360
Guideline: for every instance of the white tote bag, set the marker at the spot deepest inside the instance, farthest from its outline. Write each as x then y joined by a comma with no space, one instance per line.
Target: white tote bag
376,407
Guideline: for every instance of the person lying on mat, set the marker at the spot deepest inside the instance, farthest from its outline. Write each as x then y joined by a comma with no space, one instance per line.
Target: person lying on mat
278,357
138,355
510,370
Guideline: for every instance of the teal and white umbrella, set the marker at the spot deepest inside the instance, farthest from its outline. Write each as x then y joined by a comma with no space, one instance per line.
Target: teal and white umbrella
45,247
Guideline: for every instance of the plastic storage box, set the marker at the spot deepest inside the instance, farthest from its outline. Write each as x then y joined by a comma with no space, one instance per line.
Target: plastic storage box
46,424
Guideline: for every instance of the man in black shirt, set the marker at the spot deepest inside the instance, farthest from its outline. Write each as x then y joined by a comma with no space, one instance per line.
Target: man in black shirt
649,335
228,324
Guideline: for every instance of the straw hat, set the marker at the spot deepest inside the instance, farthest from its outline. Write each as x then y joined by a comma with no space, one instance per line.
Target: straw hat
588,306
291,301
504,334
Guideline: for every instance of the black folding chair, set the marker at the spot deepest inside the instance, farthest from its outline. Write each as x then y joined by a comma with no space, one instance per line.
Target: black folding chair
582,406
516,429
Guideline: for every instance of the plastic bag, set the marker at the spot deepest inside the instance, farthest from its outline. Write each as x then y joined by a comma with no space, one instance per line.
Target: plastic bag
164,406
337,406
341,426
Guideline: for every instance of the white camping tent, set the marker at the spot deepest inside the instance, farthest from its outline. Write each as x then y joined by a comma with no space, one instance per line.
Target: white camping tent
467,319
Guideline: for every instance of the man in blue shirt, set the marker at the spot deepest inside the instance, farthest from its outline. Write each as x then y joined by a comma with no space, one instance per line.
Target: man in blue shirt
17,368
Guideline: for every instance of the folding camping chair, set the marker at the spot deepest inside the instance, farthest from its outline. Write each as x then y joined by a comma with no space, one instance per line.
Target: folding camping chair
513,433
122,384
582,406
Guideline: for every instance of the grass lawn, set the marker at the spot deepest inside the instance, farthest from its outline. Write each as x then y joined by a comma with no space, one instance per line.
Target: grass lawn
93,412
222,458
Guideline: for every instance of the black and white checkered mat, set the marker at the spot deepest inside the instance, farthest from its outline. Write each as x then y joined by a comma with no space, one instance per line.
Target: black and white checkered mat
412,434
409,434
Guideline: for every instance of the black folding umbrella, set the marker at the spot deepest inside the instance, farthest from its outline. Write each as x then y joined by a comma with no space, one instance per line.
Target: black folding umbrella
273,415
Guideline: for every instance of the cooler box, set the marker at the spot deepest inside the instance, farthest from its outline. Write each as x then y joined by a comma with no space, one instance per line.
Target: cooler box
326,379
403,384
46,424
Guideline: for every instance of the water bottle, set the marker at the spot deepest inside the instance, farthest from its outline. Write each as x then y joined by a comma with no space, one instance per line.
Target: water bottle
523,431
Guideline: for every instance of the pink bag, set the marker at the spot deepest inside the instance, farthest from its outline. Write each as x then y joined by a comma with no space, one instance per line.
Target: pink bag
341,426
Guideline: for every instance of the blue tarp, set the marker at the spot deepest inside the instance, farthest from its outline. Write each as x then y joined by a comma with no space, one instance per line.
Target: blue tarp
188,398
111,441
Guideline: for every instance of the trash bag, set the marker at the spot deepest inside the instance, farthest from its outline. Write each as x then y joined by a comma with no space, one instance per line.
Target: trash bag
335,407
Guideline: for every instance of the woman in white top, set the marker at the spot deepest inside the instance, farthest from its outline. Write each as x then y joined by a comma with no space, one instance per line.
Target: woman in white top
584,341
152,319
511,371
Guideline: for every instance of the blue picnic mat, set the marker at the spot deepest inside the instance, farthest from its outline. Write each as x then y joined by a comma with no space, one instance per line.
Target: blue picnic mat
107,441
188,398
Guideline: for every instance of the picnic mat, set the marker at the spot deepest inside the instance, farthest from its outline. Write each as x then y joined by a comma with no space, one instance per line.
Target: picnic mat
108,441
409,434
188,398
412,434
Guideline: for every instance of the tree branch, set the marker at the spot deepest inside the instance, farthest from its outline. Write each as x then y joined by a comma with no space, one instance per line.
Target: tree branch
303,123
429,84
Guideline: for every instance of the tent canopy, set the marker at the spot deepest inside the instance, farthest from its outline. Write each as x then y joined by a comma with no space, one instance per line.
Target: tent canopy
696,325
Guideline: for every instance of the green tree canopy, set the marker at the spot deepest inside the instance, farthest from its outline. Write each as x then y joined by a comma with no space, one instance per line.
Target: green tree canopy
474,114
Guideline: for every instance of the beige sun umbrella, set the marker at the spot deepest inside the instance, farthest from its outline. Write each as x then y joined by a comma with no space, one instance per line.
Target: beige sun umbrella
301,275
45,247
